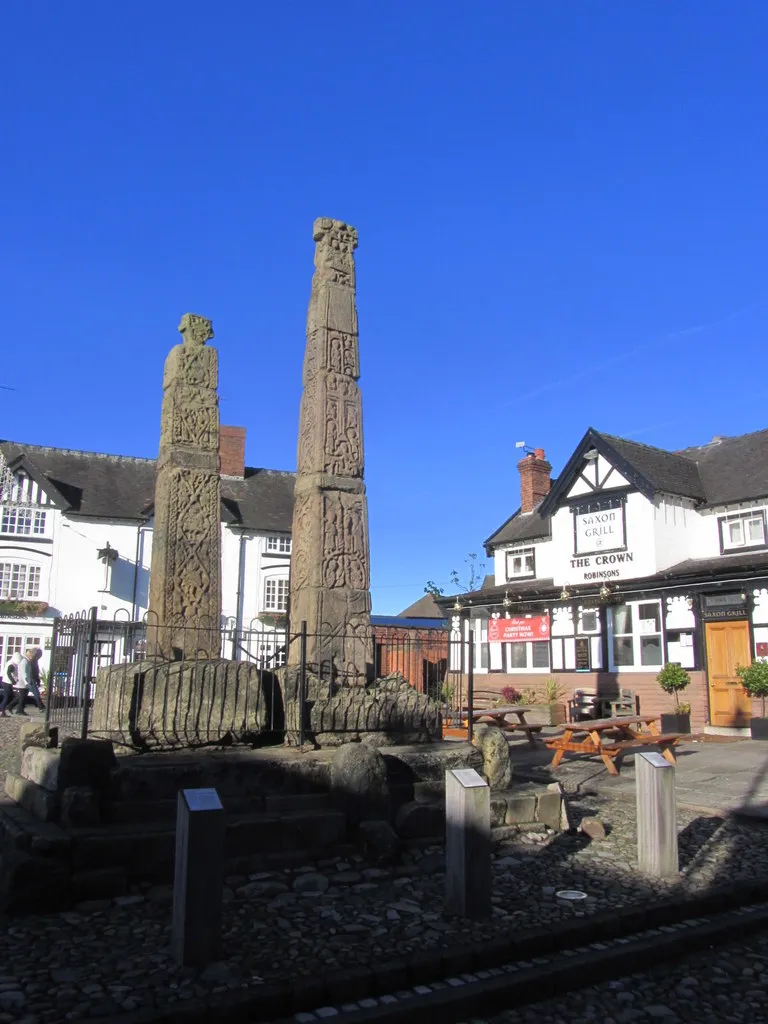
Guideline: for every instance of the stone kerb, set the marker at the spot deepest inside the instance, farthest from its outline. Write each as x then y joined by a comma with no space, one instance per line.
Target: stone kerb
169,705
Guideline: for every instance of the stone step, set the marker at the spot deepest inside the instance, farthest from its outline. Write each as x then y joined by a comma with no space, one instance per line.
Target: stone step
147,851
138,811
294,802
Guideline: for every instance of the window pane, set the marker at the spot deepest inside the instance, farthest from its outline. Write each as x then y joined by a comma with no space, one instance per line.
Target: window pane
529,563
755,531
622,651
734,532
589,622
650,618
622,620
650,650
540,654
517,656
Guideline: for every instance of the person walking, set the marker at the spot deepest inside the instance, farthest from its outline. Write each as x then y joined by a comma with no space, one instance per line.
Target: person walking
10,675
18,675
33,656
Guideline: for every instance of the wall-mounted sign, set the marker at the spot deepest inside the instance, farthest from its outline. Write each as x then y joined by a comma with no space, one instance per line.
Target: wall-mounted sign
599,525
724,600
602,567
519,630
724,606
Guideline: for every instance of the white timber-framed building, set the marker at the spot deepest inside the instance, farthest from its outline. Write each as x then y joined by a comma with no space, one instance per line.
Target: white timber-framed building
76,532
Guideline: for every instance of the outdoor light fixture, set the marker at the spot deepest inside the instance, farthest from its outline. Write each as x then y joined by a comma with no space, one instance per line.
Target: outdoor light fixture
507,602
565,593
458,606
592,454
605,592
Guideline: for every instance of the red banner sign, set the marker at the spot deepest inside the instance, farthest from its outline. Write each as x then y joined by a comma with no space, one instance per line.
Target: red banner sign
518,631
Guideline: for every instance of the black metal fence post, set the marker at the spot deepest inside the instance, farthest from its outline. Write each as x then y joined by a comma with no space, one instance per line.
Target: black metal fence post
88,671
302,681
470,684
50,695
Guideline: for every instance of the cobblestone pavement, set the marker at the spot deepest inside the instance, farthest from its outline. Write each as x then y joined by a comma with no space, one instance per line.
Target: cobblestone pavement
727,984
105,957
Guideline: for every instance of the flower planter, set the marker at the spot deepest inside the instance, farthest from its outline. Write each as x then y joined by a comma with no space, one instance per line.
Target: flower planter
546,714
676,723
759,728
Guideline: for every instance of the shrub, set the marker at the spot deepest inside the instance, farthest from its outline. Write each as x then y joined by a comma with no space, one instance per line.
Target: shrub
754,679
672,679
511,695
553,691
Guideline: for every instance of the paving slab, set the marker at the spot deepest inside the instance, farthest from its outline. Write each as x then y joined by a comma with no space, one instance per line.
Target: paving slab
724,777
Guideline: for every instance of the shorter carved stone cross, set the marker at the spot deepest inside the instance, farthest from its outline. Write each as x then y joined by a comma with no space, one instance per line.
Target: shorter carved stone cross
185,584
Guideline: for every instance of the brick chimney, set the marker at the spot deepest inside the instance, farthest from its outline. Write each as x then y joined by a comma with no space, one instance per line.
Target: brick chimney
534,479
232,451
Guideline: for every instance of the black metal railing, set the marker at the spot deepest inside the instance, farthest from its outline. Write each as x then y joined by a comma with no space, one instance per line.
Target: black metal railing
243,694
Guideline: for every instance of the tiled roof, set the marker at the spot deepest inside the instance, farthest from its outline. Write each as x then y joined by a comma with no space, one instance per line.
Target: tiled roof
732,469
122,487
669,472
519,527
425,608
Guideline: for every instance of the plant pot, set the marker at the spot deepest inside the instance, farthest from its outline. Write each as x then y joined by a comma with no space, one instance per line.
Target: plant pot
676,723
759,728
546,714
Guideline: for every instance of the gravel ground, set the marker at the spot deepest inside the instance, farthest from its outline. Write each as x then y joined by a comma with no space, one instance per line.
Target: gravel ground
730,983
111,956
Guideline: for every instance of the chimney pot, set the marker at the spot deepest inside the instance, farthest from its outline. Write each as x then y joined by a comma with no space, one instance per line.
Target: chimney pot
232,451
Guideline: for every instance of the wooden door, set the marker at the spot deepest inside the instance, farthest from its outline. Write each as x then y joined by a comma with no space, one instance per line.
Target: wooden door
727,647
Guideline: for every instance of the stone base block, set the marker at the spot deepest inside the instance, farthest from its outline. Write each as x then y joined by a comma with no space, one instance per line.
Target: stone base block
527,806
172,705
40,802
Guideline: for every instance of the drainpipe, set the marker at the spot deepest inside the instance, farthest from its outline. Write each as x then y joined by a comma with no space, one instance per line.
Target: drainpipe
136,572
240,596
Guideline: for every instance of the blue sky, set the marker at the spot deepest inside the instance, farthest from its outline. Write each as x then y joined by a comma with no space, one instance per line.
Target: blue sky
562,222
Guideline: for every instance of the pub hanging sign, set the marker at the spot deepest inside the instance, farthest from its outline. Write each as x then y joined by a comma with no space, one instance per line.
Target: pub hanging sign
518,630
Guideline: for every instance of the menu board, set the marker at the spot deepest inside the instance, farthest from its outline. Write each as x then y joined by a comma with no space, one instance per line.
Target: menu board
582,654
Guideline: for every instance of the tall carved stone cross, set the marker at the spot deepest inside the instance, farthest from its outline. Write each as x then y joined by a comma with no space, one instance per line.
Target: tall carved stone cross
184,617
330,560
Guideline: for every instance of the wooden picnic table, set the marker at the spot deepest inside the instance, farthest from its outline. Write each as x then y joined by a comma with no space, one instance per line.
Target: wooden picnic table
498,716
633,732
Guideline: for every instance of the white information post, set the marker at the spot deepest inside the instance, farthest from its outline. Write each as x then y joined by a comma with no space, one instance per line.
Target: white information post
657,852
467,844
198,883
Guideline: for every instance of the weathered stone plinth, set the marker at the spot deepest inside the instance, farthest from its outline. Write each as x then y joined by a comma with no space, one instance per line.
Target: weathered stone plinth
171,705
387,712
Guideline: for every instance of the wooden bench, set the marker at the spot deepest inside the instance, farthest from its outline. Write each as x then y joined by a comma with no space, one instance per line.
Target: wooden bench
485,706
609,737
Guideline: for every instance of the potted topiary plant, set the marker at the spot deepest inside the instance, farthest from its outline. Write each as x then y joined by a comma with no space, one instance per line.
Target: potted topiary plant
672,679
754,679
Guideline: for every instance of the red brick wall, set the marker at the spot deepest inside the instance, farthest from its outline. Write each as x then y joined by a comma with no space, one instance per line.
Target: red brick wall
232,451
653,700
